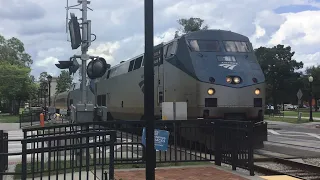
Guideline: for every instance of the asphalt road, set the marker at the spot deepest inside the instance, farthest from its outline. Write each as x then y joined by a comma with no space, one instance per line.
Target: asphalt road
298,140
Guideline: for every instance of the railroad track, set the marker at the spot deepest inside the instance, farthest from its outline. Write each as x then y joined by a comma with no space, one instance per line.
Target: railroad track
279,166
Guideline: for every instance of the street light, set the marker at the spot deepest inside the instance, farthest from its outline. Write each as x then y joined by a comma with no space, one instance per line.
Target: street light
310,101
49,82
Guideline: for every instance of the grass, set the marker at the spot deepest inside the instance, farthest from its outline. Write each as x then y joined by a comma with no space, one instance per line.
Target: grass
304,113
69,165
9,119
288,120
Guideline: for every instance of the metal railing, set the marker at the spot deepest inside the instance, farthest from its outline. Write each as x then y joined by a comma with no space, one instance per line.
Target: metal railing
64,156
3,151
58,150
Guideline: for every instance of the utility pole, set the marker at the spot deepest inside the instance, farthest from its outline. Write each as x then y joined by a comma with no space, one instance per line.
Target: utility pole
149,89
83,110
84,49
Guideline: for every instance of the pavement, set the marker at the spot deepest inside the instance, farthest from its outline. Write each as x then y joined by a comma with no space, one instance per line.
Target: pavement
292,140
207,172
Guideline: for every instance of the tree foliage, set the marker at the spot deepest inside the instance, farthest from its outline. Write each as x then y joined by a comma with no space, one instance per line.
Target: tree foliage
64,82
43,80
13,52
16,83
280,69
192,24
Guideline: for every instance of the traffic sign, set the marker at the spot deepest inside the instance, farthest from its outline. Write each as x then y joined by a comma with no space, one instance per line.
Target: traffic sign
161,139
299,94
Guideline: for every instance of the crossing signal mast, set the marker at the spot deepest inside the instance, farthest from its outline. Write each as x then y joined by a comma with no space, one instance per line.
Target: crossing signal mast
83,111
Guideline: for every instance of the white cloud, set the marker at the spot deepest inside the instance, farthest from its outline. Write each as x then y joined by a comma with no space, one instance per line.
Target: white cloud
299,29
119,26
105,50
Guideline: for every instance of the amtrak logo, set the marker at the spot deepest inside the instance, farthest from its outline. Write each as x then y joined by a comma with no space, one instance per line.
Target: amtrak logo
141,85
228,65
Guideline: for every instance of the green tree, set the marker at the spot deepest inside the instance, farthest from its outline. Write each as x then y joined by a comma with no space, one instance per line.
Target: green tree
192,24
314,71
280,68
64,82
43,80
16,84
12,51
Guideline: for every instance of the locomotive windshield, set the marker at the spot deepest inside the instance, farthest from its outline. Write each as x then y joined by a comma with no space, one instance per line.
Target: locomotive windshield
204,45
236,46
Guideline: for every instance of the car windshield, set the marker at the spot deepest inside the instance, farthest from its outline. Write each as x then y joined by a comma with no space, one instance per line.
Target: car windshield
236,46
204,45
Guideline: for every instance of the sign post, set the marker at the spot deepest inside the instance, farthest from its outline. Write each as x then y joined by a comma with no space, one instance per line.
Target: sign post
299,96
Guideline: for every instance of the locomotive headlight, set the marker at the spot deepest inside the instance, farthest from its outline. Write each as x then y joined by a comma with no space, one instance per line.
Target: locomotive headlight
257,91
236,80
211,91
229,80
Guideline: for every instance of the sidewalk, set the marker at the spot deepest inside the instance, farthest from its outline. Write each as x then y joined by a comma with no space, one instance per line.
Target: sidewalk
208,172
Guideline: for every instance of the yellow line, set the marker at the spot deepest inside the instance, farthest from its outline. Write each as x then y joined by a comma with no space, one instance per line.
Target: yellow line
279,177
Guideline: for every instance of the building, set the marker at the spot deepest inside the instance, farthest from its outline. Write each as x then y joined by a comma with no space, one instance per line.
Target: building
53,86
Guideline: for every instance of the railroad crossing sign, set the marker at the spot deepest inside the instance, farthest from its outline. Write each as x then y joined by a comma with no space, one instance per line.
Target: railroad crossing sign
299,94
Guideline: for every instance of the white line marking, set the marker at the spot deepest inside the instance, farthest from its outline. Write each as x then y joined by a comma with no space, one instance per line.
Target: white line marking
273,132
313,135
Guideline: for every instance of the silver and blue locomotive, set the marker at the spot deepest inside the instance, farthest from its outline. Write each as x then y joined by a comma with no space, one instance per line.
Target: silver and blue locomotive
215,71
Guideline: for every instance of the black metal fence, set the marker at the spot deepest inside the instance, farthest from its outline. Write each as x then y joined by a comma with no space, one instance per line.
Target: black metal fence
29,119
87,149
32,118
4,150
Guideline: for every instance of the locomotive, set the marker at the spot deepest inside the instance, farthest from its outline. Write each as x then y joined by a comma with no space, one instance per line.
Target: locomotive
215,71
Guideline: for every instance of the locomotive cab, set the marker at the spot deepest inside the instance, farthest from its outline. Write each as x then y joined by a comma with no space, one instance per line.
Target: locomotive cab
230,83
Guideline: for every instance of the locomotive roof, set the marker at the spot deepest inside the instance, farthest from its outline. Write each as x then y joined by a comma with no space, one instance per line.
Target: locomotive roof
195,33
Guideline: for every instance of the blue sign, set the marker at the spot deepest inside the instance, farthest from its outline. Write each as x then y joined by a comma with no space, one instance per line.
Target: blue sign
161,139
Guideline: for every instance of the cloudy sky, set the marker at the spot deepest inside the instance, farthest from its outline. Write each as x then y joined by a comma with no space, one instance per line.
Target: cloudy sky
119,25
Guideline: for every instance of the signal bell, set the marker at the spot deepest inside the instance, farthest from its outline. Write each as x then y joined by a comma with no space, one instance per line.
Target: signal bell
97,68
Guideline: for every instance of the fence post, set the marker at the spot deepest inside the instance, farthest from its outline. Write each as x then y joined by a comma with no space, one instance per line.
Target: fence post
2,169
24,160
111,161
217,143
20,120
250,148
234,151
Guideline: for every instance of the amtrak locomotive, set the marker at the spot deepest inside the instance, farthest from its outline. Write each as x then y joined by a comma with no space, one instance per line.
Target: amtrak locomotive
215,71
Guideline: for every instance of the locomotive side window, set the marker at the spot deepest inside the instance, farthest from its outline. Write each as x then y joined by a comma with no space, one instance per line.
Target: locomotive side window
236,46
131,65
99,100
103,100
170,50
142,61
108,74
138,62
204,45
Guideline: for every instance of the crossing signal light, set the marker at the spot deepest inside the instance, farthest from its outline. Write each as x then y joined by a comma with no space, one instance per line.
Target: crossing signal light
72,65
97,68
74,29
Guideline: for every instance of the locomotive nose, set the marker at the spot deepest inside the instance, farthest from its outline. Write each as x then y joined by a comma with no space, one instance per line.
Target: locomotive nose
217,101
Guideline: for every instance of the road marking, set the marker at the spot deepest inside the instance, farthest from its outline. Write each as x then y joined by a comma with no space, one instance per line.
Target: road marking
273,132
313,135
